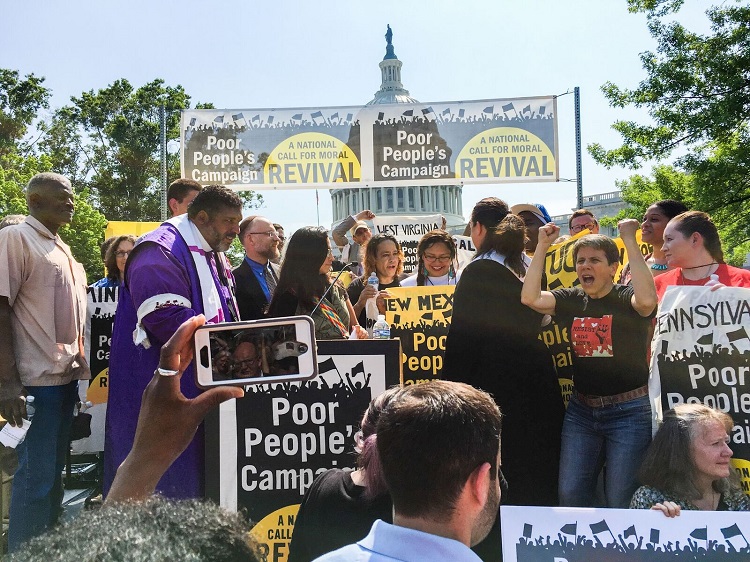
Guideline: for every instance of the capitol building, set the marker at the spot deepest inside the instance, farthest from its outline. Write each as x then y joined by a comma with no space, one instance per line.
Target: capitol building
403,200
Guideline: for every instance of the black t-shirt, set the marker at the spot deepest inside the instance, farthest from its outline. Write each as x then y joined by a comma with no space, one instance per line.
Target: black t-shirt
608,338
334,513
355,289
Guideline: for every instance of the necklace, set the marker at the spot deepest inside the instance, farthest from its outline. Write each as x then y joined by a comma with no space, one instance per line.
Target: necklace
708,272
659,266
704,265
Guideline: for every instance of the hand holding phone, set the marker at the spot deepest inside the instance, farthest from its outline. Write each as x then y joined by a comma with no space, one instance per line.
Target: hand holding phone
255,352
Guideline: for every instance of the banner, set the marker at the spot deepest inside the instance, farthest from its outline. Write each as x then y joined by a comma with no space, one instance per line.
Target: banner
465,250
137,229
547,534
441,143
420,317
408,231
101,308
264,451
700,354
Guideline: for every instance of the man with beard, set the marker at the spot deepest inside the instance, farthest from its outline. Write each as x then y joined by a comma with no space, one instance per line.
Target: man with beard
174,273
439,448
257,276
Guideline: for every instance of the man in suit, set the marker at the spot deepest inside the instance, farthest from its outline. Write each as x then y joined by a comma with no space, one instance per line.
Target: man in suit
256,277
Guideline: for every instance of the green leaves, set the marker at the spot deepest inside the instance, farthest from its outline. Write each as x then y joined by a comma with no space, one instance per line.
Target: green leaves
697,93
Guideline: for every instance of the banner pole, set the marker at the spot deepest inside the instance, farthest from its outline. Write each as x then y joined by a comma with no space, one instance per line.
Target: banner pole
579,171
163,156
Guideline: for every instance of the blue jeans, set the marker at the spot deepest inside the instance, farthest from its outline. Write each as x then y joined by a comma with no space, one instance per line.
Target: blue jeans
37,494
618,434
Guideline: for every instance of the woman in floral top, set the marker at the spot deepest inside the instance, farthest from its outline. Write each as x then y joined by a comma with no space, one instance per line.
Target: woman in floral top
687,465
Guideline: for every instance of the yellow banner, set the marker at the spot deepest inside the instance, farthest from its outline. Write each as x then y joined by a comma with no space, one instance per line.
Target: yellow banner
420,317
559,266
120,228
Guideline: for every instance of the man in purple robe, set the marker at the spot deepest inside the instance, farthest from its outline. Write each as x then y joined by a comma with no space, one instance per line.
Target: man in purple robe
174,273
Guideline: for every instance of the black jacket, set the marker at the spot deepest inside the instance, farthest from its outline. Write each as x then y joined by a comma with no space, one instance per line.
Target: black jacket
493,344
250,297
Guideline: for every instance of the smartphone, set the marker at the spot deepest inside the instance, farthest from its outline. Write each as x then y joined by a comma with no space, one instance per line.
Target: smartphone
255,352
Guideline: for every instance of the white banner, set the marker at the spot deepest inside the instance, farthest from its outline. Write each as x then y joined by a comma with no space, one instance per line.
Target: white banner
408,230
558,534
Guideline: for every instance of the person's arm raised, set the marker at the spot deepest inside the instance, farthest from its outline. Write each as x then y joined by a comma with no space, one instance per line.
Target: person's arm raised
644,298
531,293
167,421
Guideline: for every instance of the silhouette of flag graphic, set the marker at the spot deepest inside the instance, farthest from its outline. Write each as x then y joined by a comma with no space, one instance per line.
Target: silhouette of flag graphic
238,116
509,107
316,114
708,339
219,119
599,527
542,110
359,368
731,531
489,109
527,530
446,111
737,334
297,117
701,533
408,113
654,537
629,532
569,529
327,365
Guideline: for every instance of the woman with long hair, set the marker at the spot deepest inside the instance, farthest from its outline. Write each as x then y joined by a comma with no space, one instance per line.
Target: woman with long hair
655,220
693,248
384,257
688,465
303,281
115,258
493,344
341,505
436,261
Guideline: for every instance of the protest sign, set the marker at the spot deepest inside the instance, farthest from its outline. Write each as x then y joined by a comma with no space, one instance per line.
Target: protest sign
535,534
121,228
408,231
441,143
465,250
420,317
700,354
264,451
101,308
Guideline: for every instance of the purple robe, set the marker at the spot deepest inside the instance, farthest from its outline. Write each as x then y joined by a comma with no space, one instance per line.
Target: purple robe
160,263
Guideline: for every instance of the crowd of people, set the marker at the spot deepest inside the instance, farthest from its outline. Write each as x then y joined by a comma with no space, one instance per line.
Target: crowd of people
404,493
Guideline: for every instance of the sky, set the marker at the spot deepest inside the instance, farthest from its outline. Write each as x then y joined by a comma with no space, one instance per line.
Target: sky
248,54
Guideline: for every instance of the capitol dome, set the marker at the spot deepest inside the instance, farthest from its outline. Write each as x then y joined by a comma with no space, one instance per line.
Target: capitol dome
410,200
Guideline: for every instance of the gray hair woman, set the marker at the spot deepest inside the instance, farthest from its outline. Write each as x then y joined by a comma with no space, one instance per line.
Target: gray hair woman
688,465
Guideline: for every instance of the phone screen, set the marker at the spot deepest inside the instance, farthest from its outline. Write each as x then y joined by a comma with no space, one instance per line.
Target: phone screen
244,353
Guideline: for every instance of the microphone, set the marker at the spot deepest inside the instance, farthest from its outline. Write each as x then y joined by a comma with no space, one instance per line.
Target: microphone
325,294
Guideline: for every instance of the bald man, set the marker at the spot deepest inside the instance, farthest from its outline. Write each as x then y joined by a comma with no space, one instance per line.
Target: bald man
43,306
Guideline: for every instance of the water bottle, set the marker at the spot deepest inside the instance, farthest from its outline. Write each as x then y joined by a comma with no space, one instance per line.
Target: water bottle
30,410
381,330
371,306
373,280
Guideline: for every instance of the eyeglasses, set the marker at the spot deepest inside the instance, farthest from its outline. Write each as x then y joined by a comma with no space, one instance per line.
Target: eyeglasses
270,234
123,253
442,259
580,227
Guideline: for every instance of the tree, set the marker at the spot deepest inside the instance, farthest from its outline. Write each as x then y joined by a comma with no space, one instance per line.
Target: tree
110,141
697,92
86,231
20,101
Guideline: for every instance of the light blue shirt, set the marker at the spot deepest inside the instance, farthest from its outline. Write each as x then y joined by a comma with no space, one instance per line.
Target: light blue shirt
390,542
